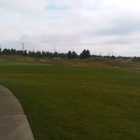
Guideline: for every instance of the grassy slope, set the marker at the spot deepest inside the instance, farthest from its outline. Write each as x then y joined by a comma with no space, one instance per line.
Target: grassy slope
68,101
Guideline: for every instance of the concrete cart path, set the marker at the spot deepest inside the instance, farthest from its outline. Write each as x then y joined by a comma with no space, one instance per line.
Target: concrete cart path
13,122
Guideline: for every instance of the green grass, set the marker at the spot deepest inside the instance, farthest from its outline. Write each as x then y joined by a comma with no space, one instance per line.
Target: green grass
63,100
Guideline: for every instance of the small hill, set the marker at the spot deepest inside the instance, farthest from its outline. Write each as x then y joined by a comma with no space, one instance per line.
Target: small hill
95,61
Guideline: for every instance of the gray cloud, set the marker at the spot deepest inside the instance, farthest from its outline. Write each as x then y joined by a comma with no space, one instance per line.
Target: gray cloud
97,25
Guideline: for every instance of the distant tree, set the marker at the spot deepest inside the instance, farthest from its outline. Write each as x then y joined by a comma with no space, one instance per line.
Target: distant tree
38,54
136,59
113,57
85,54
25,53
63,55
47,54
43,54
0,50
19,52
31,54
69,54
74,55
12,51
55,54
82,55
51,56
6,52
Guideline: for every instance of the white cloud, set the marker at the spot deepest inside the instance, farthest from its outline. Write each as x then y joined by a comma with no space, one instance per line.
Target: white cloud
123,4
98,25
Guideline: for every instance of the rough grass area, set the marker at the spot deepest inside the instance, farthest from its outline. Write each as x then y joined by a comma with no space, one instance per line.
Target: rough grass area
69,100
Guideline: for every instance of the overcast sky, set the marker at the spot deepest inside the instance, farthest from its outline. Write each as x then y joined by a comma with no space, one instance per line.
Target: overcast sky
102,26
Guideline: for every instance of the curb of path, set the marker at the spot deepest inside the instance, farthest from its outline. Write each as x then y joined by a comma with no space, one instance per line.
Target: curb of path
14,124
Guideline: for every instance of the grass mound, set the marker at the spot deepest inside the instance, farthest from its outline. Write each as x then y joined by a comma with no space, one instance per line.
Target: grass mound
87,99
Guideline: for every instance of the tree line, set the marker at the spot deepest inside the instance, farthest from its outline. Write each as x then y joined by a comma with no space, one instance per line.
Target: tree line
136,59
70,54
42,54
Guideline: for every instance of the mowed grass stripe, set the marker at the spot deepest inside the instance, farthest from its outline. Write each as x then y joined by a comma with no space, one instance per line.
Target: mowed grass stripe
67,102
